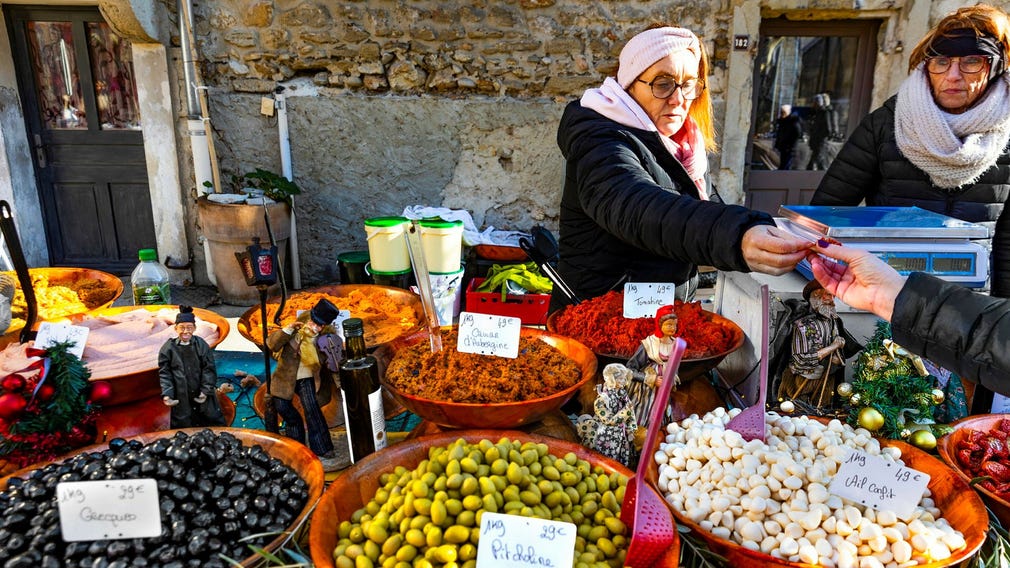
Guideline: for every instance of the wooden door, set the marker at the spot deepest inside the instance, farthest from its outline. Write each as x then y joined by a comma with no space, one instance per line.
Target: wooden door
77,89
824,72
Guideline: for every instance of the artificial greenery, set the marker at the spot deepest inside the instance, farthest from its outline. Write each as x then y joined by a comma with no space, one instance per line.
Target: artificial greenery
995,551
892,385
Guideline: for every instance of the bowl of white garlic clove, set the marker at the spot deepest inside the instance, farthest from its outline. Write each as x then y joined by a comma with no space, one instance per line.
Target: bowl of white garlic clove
765,503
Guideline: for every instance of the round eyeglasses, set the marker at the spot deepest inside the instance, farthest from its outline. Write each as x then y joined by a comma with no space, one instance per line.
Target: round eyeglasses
663,87
967,64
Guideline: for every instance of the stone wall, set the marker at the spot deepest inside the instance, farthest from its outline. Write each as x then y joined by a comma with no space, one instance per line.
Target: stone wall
391,104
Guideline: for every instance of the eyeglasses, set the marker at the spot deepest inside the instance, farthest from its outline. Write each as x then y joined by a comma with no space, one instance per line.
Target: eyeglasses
967,64
663,87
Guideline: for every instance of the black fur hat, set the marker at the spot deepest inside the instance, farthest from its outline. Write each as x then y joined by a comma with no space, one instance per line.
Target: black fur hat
185,315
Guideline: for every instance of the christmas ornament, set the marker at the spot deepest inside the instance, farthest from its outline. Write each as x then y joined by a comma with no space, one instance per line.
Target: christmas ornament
871,418
787,406
855,399
923,439
100,391
45,392
845,390
905,434
13,383
12,405
937,396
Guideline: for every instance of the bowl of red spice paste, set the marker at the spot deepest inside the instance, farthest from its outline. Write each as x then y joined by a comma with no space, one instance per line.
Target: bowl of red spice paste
466,390
599,324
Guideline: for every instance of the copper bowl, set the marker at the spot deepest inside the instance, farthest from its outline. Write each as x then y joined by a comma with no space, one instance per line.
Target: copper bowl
490,415
357,485
377,331
689,367
291,453
61,276
951,494
141,384
947,445
501,253
332,410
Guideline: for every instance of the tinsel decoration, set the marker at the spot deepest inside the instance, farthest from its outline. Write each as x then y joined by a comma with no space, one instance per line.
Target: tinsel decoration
888,379
57,422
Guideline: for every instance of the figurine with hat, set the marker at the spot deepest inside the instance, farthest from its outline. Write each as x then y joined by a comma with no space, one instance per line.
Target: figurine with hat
648,361
818,357
307,351
188,376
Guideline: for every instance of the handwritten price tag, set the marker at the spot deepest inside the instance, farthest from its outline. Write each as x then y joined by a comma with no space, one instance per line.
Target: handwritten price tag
52,333
513,541
109,510
879,483
642,299
485,334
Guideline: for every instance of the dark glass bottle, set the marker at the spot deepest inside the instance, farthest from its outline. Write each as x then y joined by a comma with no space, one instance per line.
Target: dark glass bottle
364,417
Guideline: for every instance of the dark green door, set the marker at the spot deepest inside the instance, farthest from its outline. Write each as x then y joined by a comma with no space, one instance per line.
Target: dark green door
76,81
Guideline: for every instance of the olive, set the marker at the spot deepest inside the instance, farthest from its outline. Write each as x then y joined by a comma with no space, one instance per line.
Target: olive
117,444
21,561
50,561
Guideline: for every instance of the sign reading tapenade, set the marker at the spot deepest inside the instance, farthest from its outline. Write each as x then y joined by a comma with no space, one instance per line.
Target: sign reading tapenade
484,334
109,510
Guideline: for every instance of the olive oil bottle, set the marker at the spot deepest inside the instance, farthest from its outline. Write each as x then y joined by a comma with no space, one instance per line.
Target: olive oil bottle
364,417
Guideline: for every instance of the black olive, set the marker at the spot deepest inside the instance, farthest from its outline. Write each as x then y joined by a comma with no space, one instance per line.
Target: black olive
117,548
140,561
231,527
236,490
260,503
16,542
76,549
189,507
119,564
50,561
167,505
203,519
230,514
21,561
100,563
117,444
164,554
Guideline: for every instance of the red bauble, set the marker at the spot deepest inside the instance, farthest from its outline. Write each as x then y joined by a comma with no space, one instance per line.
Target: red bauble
12,405
46,392
100,391
13,383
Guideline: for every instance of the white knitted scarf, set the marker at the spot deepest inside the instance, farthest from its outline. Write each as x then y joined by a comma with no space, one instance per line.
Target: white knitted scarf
953,149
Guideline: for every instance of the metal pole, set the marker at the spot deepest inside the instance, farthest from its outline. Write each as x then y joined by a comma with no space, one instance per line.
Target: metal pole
269,411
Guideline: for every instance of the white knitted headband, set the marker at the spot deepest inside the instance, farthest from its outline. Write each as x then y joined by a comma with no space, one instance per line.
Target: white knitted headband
649,47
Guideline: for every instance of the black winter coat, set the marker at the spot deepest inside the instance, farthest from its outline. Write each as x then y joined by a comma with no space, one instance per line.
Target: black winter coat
953,327
630,212
870,166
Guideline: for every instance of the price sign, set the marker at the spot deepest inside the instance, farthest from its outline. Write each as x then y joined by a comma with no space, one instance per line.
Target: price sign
879,483
109,510
52,333
485,334
511,541
642,299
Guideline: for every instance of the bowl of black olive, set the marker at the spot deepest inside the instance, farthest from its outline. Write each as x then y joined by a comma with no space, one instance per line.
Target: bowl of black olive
223,493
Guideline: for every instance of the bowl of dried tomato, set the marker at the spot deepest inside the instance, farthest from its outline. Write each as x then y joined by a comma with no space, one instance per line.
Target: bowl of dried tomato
466,390
978,448
599,323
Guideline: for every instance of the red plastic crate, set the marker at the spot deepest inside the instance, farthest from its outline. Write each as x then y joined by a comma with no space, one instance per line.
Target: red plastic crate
531,309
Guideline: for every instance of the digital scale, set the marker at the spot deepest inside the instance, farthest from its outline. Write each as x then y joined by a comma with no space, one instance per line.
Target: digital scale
909,239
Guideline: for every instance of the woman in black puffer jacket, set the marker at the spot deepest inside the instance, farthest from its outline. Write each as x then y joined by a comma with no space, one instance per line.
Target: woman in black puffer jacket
636,204
942,142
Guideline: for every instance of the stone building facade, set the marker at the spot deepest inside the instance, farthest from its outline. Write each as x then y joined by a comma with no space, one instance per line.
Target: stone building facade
391,103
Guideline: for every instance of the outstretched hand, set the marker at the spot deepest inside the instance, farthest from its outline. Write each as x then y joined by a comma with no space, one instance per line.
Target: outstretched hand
861,280
771,250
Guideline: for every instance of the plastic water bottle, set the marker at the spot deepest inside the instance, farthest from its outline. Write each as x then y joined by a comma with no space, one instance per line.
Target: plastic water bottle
150,280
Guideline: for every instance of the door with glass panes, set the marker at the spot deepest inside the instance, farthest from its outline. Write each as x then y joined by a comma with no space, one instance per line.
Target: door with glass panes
79,97
817,76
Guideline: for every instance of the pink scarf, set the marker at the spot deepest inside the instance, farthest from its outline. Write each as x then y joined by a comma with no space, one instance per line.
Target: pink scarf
686,145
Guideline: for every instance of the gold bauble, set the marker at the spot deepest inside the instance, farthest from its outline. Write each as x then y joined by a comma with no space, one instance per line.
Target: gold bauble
870,418
787,406
923,439
855,399
844,389
938,396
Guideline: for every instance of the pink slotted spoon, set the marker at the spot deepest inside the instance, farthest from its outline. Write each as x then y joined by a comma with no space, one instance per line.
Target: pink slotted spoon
644,512
750,423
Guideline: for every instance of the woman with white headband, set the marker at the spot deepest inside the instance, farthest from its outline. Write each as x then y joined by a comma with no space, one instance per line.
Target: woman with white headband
637,204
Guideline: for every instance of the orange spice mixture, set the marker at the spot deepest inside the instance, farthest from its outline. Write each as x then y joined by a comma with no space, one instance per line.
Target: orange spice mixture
539,371
385,319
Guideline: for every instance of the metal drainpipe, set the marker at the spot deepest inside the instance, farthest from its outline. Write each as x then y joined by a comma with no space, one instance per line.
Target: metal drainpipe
202,172
286,171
